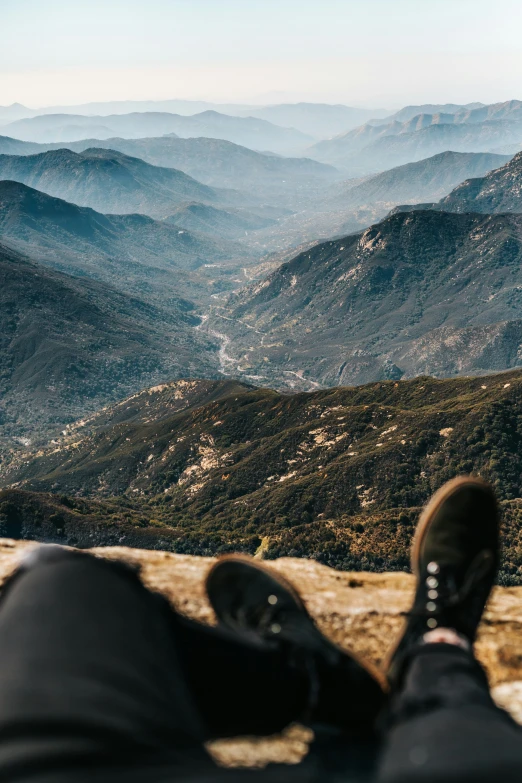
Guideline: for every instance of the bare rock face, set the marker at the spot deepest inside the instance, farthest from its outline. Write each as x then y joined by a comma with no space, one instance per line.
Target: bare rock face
359,611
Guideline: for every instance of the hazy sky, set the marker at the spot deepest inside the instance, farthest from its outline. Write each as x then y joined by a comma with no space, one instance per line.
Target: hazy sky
364,52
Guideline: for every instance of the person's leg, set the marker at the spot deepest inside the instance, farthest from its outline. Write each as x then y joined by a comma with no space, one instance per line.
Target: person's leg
96,670
88,668
443,726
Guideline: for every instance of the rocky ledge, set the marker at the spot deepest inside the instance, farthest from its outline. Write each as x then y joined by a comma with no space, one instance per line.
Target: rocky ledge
360,611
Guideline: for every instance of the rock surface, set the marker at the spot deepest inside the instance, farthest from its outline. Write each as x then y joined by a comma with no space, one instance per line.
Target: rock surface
360,611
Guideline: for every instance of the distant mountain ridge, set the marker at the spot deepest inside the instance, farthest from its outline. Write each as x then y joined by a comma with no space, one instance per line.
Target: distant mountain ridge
321,120
376,147
408,112
107,181
317,119
249,131
214,162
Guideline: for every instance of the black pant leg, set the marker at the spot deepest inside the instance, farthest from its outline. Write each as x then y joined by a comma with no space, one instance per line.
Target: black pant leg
88,669
240,684
98,673
444,726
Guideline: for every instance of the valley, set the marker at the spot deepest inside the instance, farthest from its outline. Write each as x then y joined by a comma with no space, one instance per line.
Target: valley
210,345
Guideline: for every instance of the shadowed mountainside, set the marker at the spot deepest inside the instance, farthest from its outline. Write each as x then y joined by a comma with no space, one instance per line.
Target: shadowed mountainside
68,346
228,224
107,181
152,259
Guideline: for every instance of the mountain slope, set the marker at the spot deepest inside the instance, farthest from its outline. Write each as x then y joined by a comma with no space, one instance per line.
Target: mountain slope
498,191
421,292
337,475
68,346
425,180
145,257
248,131
105,180
9,146
218,222
408,112
351,206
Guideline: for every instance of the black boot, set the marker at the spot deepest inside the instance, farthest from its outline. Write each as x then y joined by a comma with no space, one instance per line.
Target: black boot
251,598
455,559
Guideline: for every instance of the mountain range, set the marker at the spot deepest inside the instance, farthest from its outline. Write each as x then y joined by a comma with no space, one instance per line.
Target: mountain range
350,206
376,147
338,475
422,292
425,180
247,131
151,259
317,119
180,318
70,345
107,181
498,191
214,162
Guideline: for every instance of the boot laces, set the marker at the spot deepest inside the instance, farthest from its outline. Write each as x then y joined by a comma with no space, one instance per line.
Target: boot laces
441,592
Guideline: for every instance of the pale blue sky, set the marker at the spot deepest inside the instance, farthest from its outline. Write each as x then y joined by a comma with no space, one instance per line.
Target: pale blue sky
363,52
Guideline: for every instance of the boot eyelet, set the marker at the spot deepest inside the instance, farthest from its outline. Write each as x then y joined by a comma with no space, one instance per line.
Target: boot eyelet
431,606
432,594
275,628
431,622
272,600
433,568
432,582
